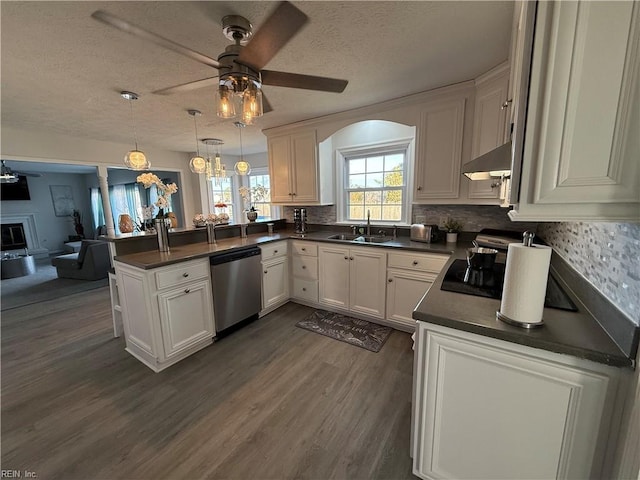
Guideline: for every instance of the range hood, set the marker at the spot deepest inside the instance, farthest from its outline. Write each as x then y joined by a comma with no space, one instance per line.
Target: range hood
493,164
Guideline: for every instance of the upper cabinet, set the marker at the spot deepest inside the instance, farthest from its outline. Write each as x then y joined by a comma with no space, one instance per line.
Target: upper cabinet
581,146
439,150
297,176
489,124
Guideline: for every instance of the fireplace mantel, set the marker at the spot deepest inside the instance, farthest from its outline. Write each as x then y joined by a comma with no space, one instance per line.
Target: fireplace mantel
28,221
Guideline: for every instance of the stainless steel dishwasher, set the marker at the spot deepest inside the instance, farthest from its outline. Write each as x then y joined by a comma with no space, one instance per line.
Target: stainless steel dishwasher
235,279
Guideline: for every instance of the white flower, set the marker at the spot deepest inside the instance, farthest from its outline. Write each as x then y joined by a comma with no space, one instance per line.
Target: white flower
164,191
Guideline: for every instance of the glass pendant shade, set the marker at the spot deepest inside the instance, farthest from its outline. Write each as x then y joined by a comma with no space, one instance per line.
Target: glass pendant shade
226,100
198,164
136,160
242,168
251,104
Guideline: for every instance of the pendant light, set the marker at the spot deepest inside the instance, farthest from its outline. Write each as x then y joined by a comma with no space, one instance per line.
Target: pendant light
217,169
197,163
134,159
241,167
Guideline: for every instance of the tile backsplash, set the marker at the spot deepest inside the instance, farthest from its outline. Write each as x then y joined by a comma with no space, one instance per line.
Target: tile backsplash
606,254
473,217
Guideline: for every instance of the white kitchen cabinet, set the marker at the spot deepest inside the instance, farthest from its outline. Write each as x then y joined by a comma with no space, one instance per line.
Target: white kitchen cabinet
486,408
353,279
297,176
489,124
439,150
581,147
409,277
304,271
275,276
167,312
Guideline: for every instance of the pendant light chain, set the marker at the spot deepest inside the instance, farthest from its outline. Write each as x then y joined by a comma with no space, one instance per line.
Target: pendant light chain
195,124
241,154
133,121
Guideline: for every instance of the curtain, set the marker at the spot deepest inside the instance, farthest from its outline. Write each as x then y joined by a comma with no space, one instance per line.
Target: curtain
96,208
125,199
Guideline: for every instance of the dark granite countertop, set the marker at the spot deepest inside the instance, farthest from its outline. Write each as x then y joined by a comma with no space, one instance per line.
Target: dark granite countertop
573,333
154,258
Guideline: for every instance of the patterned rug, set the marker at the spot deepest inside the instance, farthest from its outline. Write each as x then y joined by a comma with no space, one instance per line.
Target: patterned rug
347,329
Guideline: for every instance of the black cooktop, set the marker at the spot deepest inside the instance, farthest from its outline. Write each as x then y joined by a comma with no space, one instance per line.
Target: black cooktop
454,282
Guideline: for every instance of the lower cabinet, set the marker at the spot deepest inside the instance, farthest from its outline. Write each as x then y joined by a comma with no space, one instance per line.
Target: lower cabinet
409,277
485,408
304,271
275,276
353,279
167,312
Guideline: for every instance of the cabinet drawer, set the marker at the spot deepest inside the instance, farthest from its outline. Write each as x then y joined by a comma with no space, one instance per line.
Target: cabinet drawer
305,267
181,273
418,261
305,290
276,249
305,248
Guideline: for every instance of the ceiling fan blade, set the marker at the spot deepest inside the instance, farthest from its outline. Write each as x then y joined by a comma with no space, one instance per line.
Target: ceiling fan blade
140,32
266,106
308,82
187,87
285,21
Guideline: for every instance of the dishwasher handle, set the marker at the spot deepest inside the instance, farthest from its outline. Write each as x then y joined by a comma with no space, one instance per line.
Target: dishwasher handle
233,256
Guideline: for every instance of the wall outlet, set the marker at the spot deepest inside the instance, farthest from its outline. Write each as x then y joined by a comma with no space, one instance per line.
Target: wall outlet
442,221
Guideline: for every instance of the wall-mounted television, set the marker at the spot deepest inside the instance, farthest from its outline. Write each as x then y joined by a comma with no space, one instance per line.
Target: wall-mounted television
15,191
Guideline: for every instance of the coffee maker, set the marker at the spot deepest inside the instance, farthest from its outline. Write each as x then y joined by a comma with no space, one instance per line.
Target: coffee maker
300,220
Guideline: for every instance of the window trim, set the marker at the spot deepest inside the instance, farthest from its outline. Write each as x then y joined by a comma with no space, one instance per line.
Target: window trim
407,144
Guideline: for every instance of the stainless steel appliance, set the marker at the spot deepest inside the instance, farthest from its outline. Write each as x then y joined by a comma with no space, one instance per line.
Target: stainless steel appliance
300,220
480,263
235,278
425,233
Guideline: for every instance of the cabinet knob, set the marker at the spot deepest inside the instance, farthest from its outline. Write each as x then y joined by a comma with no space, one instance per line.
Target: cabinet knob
415,262
265,271
304,289
419,188
350,258
390,280
346,258
304,267
303,249
506,104
185,275
275,251
187,290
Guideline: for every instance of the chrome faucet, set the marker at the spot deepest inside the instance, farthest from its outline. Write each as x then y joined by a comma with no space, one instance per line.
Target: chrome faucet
368,223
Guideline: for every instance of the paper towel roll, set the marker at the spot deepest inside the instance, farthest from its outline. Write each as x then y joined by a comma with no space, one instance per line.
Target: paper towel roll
525,282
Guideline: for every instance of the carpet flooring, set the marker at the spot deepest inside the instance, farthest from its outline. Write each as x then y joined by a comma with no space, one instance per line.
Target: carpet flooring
360,333
42,286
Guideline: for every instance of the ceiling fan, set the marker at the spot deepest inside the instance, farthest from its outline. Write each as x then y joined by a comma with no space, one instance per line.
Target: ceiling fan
8,175
241,65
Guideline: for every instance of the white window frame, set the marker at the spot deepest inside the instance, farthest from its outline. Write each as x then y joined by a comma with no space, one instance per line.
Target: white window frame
235,195
371,149
275,209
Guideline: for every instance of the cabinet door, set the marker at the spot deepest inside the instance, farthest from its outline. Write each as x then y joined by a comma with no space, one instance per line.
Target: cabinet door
334,276
367,284
304,167
404,291
275,282
439,151
280,169
486,409
489,126
582,147
186,316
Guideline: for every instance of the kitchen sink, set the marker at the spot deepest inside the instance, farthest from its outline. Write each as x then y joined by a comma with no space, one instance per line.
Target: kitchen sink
359,238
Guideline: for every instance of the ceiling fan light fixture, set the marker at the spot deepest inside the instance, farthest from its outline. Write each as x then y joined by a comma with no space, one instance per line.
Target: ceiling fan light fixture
251,103
134,159
226,101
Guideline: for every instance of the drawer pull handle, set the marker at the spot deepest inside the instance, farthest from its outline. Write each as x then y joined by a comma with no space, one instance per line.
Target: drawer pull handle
275,251
187,290
415,262
185,275
304,267
303,249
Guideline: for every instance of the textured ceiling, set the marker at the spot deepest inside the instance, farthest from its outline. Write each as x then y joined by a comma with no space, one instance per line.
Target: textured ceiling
62,71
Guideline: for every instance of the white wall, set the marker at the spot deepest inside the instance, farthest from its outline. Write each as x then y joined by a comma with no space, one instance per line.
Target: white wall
50,147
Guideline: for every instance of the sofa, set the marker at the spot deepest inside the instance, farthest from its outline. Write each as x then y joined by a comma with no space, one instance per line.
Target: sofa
91,262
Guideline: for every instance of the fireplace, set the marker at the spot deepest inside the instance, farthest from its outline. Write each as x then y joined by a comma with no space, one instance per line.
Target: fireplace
13,237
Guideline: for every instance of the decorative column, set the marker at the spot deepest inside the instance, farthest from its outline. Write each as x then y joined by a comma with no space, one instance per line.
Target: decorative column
106,204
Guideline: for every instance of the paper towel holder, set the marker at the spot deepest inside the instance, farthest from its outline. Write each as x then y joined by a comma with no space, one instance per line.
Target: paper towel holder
527,241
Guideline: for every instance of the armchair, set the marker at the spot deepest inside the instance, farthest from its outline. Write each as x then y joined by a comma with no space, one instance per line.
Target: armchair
90,263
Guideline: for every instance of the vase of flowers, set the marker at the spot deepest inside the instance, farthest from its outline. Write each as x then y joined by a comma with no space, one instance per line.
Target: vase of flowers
162,222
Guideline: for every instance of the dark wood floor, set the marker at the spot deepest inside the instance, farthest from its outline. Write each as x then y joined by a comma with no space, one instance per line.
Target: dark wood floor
269,401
